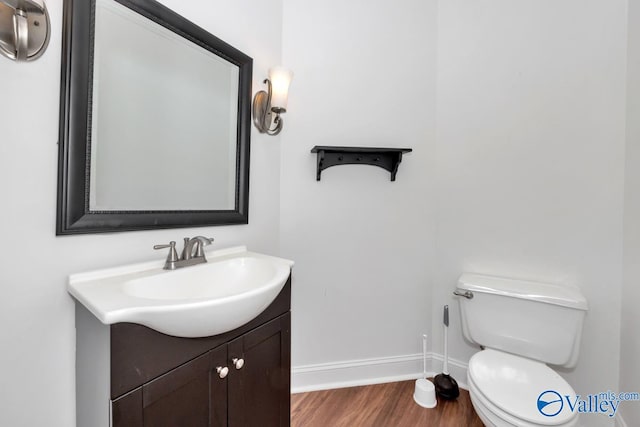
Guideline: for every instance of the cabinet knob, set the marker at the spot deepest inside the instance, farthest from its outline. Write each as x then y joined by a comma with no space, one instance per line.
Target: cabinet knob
222,371
238,363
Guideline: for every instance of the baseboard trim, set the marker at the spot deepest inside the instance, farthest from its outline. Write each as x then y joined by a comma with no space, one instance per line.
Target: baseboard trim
381,370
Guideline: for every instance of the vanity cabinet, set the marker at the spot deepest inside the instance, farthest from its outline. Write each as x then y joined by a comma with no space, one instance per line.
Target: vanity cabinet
242,383
238,379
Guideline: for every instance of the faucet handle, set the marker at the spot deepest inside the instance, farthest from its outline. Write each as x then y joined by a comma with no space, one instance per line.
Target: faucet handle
172,258
171,244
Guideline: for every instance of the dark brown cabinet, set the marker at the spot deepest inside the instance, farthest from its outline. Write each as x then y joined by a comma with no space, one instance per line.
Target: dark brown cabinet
129,375
259,392
242,383
187,396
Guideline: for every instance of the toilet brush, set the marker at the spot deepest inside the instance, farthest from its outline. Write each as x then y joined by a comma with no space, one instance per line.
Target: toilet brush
446,386
424,394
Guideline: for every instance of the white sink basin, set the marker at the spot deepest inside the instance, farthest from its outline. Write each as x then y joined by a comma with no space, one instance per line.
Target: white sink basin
231,289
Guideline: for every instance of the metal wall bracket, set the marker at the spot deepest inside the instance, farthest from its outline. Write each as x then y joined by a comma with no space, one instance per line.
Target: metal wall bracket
386,158
24,29
263,113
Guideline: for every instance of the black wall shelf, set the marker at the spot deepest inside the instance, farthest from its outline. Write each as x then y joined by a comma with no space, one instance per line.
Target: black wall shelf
386,158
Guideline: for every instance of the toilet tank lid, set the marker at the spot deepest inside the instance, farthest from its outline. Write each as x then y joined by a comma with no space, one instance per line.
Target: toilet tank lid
514,288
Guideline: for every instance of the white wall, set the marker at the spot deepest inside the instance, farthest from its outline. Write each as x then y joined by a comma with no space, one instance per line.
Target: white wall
37,316
630,344
530,158
525,180
363,246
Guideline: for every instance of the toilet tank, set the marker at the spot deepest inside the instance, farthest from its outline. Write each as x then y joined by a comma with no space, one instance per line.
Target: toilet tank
535,320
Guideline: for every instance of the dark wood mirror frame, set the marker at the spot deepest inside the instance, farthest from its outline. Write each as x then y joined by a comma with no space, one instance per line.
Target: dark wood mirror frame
74,215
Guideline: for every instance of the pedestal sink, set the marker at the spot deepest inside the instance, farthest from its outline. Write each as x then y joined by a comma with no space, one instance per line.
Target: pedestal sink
231,289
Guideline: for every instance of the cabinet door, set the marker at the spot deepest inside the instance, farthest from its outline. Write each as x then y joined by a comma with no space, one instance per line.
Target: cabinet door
192,395
218,387
126,411
259,391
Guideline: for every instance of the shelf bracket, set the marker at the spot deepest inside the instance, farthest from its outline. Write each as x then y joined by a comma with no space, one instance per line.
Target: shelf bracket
386,158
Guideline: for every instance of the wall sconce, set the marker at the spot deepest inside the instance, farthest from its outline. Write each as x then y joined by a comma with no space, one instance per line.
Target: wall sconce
267,106
24,29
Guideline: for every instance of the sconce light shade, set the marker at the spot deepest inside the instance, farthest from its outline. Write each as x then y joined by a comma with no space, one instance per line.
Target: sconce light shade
267,106
280,81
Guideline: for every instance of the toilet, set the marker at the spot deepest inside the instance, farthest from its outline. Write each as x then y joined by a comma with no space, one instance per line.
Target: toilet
521,326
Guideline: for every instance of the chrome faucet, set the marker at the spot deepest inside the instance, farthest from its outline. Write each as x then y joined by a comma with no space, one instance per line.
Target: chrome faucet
192,253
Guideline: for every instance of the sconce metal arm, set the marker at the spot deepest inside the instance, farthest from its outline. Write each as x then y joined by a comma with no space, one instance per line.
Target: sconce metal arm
263,113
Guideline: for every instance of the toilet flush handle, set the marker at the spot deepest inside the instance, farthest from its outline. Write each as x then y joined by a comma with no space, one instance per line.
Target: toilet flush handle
461,293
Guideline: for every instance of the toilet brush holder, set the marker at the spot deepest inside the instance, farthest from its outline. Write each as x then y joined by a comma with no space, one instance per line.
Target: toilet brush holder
425,393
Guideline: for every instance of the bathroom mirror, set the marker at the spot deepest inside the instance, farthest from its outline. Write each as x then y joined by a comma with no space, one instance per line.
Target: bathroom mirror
155,121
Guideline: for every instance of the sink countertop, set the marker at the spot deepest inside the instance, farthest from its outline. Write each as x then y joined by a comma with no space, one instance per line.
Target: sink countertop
113,295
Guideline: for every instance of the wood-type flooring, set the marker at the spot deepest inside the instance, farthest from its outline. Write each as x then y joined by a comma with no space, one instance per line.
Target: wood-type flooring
379,405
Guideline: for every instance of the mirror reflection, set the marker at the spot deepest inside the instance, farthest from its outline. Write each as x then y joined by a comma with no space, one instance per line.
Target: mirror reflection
164,118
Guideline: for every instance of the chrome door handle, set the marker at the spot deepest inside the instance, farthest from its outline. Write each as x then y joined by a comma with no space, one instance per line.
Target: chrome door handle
24,29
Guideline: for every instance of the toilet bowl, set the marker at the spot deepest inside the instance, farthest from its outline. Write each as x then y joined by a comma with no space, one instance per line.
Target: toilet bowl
521,327
504,391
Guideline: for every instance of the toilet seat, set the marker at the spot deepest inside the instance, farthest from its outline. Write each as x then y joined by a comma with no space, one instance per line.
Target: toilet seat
508,387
